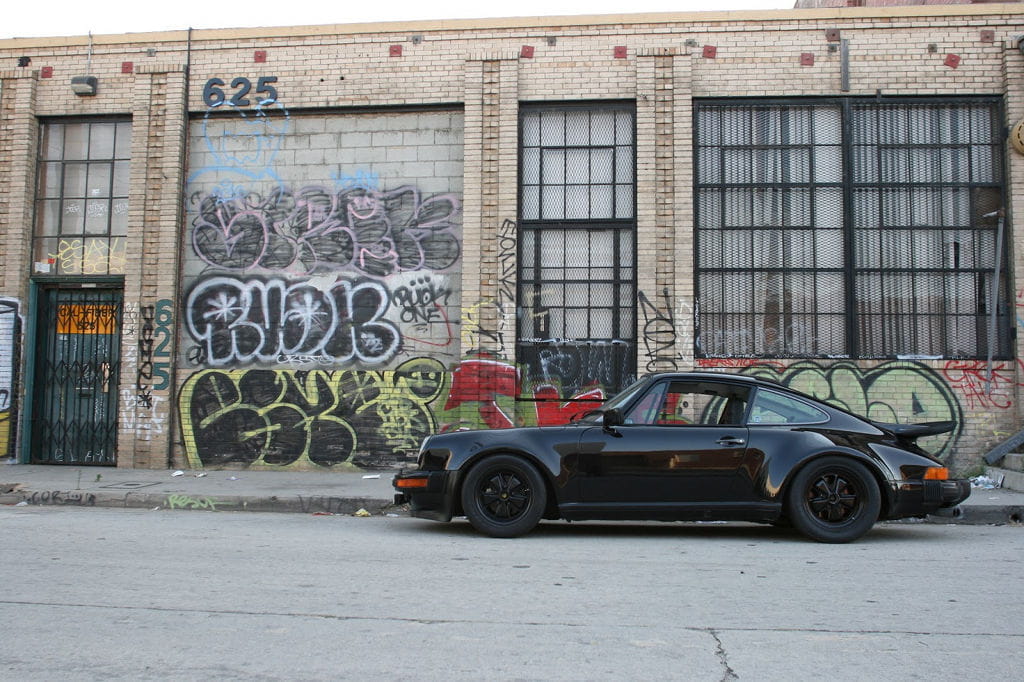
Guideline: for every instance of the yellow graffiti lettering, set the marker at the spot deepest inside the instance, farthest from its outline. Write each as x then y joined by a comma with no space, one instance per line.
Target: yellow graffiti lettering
186,502
95,256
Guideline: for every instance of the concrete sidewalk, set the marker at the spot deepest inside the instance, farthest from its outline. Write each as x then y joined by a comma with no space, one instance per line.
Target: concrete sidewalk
219,490
297,492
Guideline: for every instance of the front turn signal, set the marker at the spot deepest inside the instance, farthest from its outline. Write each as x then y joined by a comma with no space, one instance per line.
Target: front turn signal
411,483
936,474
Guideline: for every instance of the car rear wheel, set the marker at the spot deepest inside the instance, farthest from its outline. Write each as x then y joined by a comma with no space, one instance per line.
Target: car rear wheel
503,496
834,499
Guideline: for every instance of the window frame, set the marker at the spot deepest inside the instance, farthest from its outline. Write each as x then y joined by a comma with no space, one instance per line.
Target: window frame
783,397
716,397
855,312
533,286
87,239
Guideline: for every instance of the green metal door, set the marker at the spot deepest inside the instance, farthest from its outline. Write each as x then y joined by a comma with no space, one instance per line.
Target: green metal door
77,364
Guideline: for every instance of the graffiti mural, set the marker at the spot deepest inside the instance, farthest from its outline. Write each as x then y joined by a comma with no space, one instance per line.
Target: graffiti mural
984,386
241,146
492,386
478,335
90,256
898,391
423,301
552,411
579,366
425,310
10,329
739,363
507,260
659,333
147,333
237,322
481,381
322,300
310,419
313,230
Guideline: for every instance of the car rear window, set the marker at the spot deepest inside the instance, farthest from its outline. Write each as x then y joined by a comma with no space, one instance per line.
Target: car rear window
775,408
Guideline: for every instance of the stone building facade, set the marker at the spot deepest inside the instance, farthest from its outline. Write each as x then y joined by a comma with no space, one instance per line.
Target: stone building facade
309,247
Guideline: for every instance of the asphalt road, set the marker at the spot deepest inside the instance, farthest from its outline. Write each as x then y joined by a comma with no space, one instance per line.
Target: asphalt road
129,594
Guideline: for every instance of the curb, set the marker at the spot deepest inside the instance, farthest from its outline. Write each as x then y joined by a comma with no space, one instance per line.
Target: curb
297,504
984,515
971,515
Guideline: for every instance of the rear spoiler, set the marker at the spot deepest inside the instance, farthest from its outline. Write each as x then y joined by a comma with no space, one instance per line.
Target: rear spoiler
913,431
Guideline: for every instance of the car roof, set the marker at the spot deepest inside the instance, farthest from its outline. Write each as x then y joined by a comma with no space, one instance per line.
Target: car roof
755,381
763,382
720,376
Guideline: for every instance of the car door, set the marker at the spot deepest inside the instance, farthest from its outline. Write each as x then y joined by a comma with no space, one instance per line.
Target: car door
681,443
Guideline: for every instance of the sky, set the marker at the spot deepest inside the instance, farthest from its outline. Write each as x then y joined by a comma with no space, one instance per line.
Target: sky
75,17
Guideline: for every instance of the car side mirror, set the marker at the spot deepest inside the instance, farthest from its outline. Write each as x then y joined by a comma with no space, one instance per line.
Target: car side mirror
612,418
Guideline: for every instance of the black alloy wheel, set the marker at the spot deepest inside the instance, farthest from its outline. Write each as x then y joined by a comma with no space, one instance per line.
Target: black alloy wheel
503,496
834,499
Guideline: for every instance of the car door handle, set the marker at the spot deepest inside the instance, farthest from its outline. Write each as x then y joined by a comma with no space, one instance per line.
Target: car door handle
730,440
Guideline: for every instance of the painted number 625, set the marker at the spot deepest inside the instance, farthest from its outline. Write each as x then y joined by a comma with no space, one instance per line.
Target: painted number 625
214,95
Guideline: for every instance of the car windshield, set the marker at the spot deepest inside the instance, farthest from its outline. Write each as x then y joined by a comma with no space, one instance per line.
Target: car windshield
624,397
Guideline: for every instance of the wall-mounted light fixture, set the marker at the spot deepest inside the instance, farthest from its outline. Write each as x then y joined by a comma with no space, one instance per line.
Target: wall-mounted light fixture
84,86
1017,137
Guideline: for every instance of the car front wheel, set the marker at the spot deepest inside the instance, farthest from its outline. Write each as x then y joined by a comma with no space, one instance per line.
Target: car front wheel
833,499
503,496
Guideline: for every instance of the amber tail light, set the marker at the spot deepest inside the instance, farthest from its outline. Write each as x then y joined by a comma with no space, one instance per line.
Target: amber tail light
411,483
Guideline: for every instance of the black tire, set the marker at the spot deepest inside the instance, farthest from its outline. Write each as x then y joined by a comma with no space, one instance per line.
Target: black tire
833,499
503,496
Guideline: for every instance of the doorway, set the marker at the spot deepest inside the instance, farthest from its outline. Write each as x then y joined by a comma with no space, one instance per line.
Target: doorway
77,365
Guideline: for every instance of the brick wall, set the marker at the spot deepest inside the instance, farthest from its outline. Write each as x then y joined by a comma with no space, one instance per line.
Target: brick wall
376,124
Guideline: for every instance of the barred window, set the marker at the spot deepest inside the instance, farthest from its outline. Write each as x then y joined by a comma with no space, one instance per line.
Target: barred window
82,197
577,280
849,228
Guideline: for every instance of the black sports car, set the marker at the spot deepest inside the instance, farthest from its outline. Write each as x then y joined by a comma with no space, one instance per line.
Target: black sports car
686,447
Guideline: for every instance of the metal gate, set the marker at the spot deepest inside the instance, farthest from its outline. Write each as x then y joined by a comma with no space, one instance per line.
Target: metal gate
77,364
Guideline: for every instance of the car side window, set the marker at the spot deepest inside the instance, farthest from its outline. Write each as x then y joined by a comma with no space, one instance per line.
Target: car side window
774,408
690,403
646,409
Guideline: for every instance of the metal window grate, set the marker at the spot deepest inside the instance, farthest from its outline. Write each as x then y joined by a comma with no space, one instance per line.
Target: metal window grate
848,228
577,279
577,164
924,178
770,254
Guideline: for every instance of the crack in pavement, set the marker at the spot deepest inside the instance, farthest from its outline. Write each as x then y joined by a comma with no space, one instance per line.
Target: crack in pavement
714,632
723,658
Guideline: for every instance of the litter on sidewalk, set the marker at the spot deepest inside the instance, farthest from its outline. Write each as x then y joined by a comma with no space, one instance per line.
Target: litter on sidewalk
986,482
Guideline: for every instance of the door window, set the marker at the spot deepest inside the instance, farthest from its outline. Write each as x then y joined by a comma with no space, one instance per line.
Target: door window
691,403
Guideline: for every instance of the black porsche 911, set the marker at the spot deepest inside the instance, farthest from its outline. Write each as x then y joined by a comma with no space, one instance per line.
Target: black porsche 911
688,447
